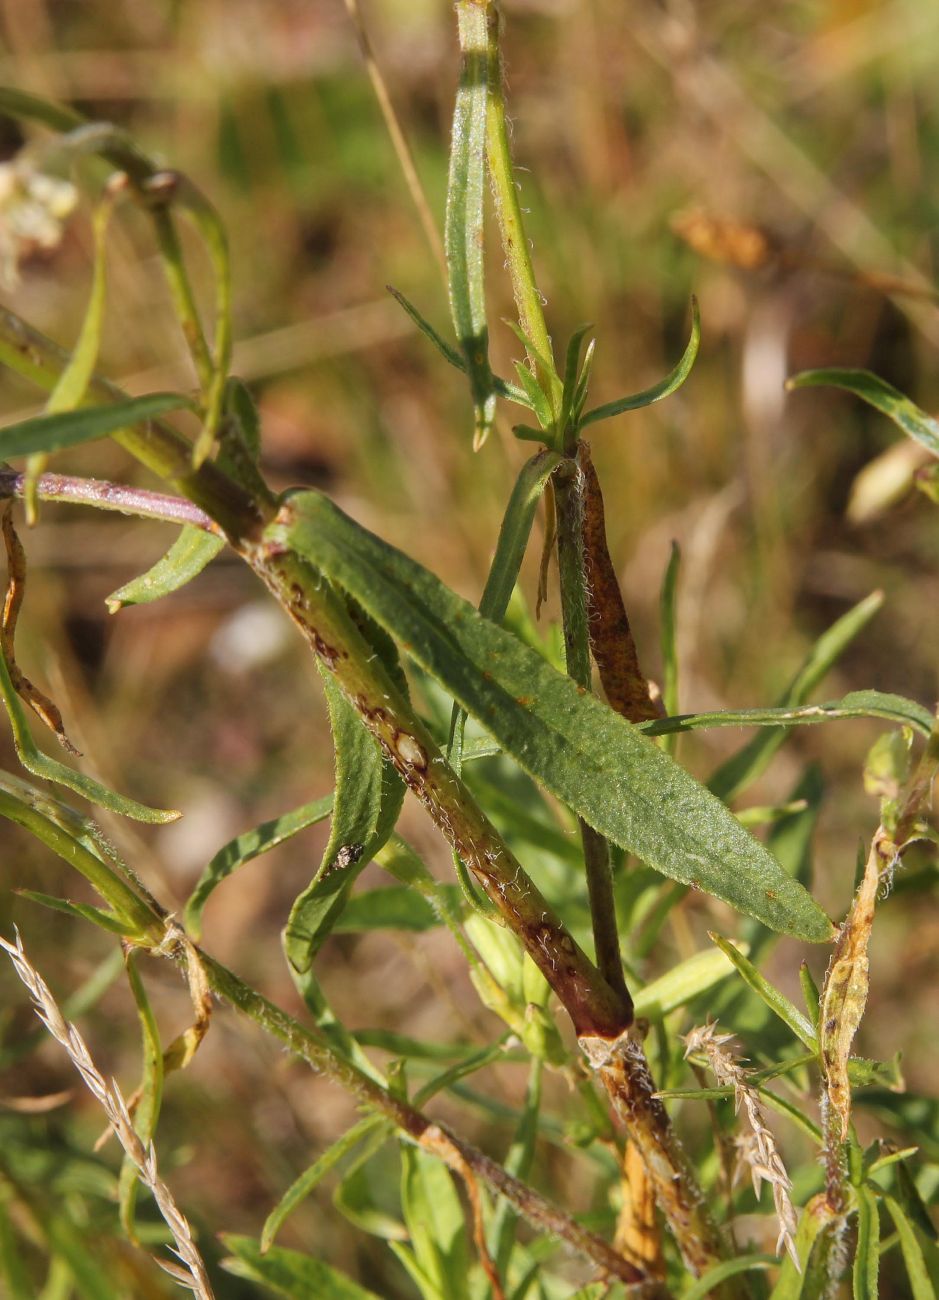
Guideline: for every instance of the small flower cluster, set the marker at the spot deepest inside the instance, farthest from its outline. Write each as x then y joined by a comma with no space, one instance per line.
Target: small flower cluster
33,210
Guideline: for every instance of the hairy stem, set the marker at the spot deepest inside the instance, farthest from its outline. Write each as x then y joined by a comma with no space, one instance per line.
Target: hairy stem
624,1072
324,622
311,1048
103,495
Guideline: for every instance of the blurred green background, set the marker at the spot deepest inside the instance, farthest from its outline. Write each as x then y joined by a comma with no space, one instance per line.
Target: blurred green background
816,123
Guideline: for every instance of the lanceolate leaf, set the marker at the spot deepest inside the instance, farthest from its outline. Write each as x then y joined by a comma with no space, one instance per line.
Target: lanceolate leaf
244,848
673,380
67,429
510,551
463,233
304,1185
368,799
40,764
776,1001
878,393
858,704
921,1287
866,1256
748,763
596,762
187,557
73,382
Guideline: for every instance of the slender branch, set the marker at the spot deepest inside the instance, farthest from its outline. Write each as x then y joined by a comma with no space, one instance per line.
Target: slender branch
120,497
307,1045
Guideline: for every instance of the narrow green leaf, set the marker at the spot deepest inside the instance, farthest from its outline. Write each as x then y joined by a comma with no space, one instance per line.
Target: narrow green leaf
192,551
68,428
683,982
772,1099
571,363
434,1218
537,398
672,381
909,1197
149,1096
866,1255
504,389
302,1186
460,1070
506,563
463,226
244,848
290,1273
702,1287
858,704
586,755
921,1287
49,769
752,760
81,911
140,919
583,382
877,393
810,995
443,347
819,1230
368,799
355,1197
777,1002
72,384
69,1242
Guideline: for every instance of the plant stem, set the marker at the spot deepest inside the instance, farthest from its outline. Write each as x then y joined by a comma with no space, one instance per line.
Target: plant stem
515,244
311,1048
624,1072
103,495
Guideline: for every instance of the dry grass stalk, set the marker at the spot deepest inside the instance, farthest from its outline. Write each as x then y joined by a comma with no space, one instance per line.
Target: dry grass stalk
758,1148
191,1274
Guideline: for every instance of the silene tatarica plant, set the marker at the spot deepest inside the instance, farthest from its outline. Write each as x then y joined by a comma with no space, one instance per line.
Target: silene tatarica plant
555,955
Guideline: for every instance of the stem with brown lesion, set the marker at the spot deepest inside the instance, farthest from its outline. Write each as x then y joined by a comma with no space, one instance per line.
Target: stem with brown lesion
594,1007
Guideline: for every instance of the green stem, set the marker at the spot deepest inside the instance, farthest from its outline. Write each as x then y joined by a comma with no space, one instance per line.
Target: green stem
569,499
528,300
